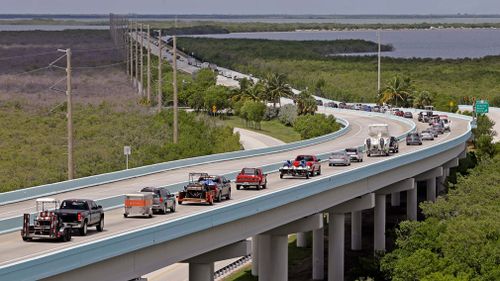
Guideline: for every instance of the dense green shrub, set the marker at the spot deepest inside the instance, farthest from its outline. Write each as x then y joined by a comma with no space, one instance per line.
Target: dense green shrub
33,144
310,126
288,114
271,113
253,111
459,238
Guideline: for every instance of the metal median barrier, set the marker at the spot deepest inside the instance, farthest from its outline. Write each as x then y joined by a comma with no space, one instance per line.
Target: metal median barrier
96,251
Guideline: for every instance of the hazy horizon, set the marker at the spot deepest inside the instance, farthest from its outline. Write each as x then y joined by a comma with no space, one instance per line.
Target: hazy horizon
254,7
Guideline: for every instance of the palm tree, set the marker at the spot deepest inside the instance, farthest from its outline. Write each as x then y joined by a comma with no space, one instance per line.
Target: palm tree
306,103
398,89
248,90
276,88
422,99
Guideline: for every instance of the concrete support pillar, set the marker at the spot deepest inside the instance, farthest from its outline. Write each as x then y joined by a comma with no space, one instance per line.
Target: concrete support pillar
255,255
395,199
265,262
379,223
301,240
440,184
318,254
336,229
201,271
411,204
431,189
276,257
356,235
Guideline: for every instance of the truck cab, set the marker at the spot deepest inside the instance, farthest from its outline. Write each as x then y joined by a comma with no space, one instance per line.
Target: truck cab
251,177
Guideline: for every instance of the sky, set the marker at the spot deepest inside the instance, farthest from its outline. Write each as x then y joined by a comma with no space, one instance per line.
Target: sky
251,6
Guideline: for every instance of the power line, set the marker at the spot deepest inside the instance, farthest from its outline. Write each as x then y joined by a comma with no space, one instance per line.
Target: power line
99,66
26,72
30,55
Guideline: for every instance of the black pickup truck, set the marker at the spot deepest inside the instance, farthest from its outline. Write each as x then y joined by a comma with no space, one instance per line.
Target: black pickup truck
80,214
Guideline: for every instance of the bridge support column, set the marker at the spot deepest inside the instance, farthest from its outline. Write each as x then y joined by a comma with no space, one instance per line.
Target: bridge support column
395,199
301,239
201,271
446,173
379,223
430,178
201,268
411,204
336,247
318,254
336,229
273,247
255,255
356,230
431,189
380,209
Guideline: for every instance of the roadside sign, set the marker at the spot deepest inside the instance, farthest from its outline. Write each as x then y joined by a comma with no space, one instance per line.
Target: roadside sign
482,106
214,108
127,150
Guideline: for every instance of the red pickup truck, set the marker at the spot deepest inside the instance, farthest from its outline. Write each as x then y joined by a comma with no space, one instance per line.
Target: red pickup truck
303,165
251,177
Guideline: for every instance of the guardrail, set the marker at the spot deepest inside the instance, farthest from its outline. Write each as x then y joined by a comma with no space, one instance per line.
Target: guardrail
96,251
113,202
65,186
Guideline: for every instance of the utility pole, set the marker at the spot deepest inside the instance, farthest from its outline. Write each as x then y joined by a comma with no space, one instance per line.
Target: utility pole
136,55
127,45
160,58
378,66
174,84
142,62
71,166
149,66
131,49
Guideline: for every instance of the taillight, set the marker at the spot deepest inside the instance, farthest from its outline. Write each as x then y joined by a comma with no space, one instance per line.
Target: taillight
79,217
161,199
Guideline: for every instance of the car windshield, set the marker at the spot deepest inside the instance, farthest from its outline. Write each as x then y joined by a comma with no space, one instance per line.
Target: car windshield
248,171
304,157
352,150
338,154
74,205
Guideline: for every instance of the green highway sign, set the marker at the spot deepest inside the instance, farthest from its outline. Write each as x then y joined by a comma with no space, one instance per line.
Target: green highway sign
482,106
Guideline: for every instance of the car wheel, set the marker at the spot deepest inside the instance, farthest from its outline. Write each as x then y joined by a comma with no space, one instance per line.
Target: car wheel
65,237
307,175
228,197
172,210
238,187
219,197
83,229
319,171
125,215
361,160
264,186
100,226
27,239
281,176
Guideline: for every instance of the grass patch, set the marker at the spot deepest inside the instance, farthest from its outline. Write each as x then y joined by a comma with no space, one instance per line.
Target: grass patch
271,128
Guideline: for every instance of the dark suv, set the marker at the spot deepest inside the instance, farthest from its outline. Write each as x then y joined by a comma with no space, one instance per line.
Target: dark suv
413,138
394,145
163,200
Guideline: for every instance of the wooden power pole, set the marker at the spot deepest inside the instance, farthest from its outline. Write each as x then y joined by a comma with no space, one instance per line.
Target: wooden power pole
149,67
69,106
160,58
131,49
142,62
136,81
174,84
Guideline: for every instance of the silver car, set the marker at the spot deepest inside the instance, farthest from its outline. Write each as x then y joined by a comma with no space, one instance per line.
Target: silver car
339,158
355,154
427,135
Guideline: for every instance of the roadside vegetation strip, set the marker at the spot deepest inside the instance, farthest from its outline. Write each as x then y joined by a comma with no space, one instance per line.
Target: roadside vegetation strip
353,79
119,244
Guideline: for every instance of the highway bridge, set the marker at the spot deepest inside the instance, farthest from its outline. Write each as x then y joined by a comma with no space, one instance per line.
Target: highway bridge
200,235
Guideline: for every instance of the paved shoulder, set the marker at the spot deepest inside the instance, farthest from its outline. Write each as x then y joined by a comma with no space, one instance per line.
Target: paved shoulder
251,140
